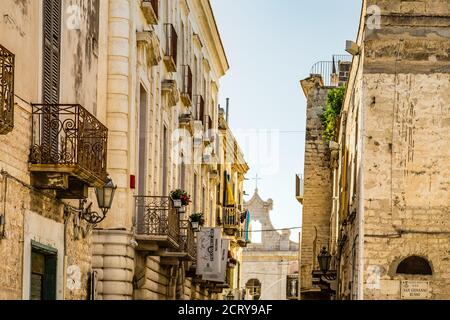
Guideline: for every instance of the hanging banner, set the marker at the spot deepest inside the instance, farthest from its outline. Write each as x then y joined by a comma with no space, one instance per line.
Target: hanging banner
209,243
220,276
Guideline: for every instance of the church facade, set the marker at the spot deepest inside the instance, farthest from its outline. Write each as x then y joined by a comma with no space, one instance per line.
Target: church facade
270,257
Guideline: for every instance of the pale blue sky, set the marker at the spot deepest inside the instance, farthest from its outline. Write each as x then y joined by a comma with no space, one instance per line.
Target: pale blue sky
271,45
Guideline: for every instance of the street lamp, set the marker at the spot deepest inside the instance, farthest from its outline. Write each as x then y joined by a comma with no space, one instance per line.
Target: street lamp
324,259
105,197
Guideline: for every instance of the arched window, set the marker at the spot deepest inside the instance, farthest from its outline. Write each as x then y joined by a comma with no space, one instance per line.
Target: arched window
415,265
256,234
253,287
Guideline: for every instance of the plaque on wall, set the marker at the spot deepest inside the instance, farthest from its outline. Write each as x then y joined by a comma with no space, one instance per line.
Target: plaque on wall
415,290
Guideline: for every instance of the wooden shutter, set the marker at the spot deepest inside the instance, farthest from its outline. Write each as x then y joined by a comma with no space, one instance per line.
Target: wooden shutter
49,281
51,71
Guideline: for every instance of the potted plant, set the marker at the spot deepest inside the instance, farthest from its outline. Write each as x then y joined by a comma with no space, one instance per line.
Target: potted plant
180,198
197,220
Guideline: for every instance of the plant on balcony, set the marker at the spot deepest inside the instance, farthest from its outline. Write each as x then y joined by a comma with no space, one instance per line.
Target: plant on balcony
180,198
197,220
331,112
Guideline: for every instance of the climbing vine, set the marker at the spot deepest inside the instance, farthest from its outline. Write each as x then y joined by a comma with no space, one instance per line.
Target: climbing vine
331,112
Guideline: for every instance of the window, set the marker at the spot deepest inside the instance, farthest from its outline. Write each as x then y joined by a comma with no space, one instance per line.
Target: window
43,273
256,236
51,52
164,162
194,198
142,169
6,90
414,265
253,287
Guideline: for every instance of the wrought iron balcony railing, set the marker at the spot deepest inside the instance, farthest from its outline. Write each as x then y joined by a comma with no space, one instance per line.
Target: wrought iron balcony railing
171,47
6,90
157,220
231,219
151,10
68,139
199,108
187,240
186,91
299,187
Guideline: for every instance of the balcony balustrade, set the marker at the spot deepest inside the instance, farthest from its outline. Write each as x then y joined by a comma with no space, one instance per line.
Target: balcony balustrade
171,47
150,9
157,223
187,241
231,220
70,143
7,63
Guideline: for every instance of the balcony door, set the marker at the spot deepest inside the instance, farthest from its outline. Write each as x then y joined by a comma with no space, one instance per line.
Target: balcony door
51,53
142,149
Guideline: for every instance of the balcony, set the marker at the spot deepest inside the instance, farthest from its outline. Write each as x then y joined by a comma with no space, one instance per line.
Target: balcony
299,188
7,64
68,151
186,91
150,8
157,225
187,241
171,44
231,220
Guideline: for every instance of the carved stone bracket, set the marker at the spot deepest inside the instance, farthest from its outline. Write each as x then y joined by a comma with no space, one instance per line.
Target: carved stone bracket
148,41
170,89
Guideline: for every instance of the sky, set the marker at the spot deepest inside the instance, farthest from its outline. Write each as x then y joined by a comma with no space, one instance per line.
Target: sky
271,45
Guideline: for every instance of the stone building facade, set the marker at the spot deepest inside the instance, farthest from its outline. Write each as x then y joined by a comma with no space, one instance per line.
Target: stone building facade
147,74
269,257
390,235
42,246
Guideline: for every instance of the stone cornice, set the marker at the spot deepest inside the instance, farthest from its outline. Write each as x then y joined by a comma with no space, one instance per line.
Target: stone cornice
207,23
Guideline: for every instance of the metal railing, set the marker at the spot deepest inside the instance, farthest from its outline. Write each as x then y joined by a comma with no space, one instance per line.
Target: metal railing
171,47
327,69
186,90
7,63
231,217
187,240
155,216
68,135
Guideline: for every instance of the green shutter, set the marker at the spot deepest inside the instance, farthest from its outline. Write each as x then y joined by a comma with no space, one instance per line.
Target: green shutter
51,71
49,281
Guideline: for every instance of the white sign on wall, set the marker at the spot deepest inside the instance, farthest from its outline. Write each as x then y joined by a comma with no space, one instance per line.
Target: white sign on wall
415,290
209,244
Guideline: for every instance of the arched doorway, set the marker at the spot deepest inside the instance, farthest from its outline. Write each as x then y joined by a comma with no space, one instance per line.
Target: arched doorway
253,287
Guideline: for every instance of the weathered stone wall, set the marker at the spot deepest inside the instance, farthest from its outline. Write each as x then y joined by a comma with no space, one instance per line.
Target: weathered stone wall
404,95
29,213
318,186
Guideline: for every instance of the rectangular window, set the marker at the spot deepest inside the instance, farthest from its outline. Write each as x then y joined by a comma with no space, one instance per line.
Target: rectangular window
165,165
194,199
43,273
142,169
51,52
